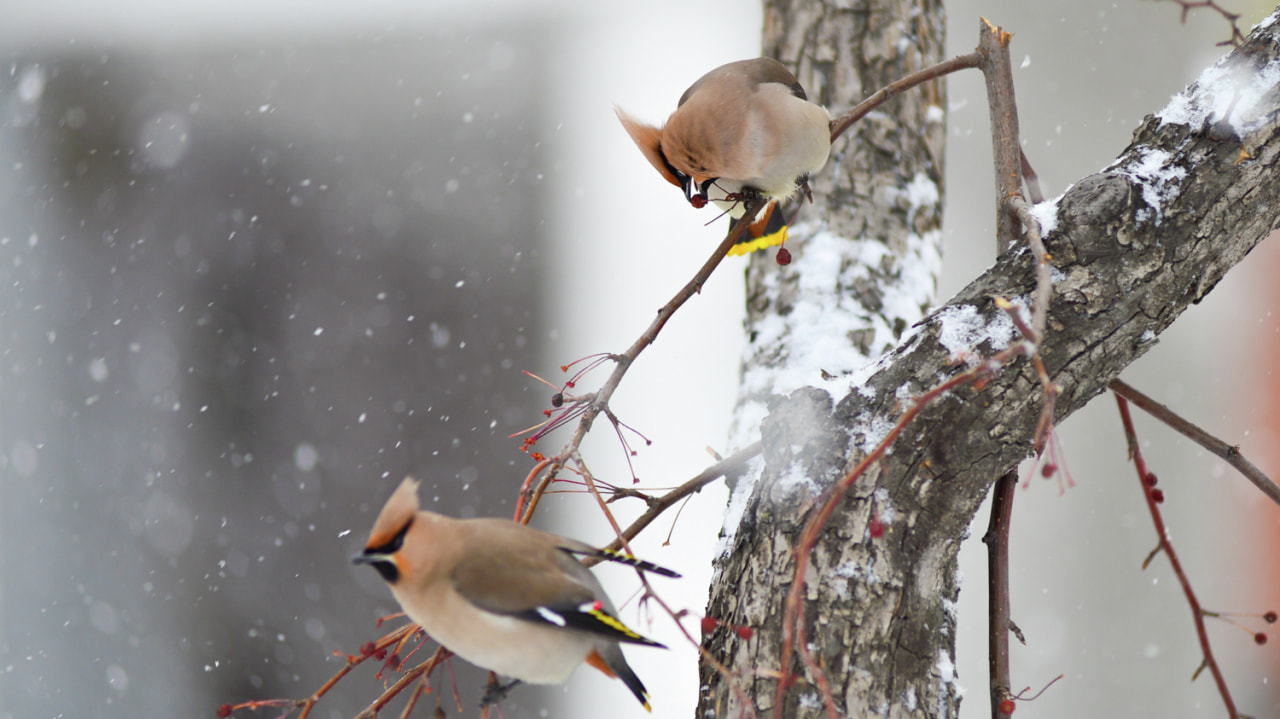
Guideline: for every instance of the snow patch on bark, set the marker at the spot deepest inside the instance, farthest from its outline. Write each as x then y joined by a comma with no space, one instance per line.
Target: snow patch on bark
963,328
1231,91
1160,182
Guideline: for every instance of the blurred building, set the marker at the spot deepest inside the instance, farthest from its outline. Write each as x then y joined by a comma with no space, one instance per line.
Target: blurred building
244,289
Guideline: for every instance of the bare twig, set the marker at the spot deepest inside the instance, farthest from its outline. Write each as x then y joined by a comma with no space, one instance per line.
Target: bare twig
1029,177
879,97
1187,6
705,655
728,465
1230,453
1149,493
998,612
600,399
993,52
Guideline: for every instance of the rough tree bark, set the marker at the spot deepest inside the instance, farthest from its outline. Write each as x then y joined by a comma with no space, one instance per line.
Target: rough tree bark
1134,245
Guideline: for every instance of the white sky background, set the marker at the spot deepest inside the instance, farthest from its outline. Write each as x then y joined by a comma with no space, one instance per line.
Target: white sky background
627,241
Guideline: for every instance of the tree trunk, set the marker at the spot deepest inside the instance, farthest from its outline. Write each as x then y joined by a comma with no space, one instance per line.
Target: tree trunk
1133,246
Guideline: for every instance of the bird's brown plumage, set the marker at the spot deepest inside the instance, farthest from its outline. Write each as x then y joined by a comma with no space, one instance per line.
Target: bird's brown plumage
744,124
499,594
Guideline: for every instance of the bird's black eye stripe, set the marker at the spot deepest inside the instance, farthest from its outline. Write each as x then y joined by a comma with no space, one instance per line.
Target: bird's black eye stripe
682,178
394,545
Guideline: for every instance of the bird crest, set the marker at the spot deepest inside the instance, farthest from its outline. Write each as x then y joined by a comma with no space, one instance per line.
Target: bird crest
395,514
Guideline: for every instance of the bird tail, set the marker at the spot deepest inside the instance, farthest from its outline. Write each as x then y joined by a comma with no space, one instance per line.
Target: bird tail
611,556
769,229
608,658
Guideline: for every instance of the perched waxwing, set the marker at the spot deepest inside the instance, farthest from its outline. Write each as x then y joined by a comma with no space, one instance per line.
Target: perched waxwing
503,596
747,124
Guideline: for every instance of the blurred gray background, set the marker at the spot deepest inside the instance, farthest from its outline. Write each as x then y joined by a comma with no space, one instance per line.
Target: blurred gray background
259,261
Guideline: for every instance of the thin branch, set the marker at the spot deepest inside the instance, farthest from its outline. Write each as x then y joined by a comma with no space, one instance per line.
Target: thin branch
1149,494
998,613
600,399
728,465
1237,36
704,655
1230,453
1029,177
893,89
993,51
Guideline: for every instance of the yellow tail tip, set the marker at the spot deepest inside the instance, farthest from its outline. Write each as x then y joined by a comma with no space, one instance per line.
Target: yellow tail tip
759,243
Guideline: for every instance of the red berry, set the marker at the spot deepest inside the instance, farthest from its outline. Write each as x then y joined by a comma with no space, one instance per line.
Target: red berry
876,528
1270,617
1260,638
1007,706
368,648
1048,469
744,632
224,711
709,624
1150,479
1157,496
698,202
784,256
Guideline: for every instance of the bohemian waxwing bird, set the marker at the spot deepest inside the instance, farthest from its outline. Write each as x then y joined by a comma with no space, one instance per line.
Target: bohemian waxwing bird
745,125
503,596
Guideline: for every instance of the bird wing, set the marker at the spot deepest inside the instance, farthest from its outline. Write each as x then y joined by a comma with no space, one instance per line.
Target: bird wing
523,573
747,75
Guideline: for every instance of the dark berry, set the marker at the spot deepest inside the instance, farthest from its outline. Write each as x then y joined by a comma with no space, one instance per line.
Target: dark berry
784,256
876,528
1260,638
557,399
224,711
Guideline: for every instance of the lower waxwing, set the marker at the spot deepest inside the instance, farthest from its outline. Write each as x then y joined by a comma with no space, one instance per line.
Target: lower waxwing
744,125
504,596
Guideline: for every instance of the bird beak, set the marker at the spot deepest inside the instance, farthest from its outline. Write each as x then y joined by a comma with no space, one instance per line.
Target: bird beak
384,563
370,556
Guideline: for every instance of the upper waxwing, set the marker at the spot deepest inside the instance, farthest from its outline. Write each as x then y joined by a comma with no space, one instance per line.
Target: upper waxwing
502,595
747,124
